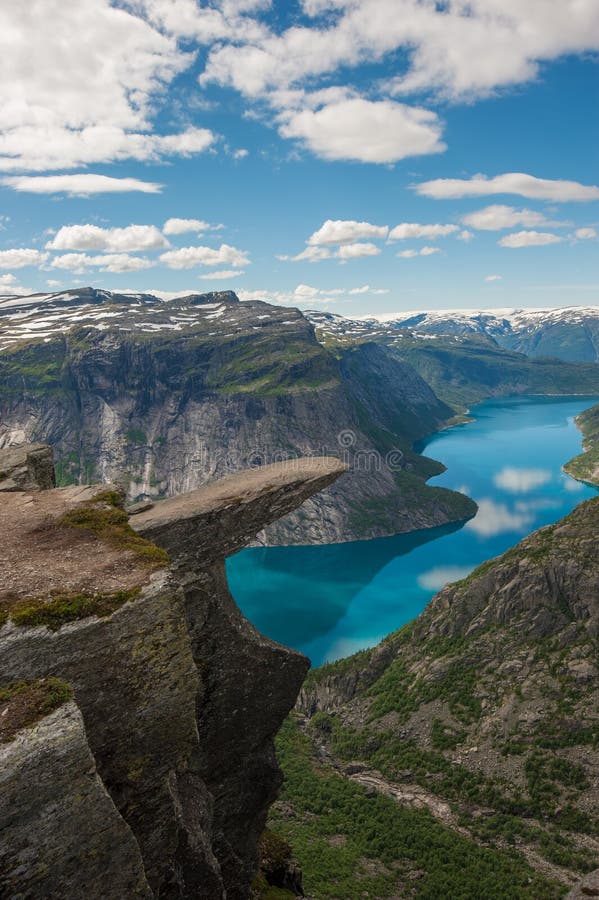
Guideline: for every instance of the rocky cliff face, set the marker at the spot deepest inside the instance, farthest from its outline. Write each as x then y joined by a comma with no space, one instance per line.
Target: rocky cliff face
155,779
163,397
485,708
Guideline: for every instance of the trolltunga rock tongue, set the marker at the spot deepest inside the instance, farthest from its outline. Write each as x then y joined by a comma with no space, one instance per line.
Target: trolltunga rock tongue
163,764
217,520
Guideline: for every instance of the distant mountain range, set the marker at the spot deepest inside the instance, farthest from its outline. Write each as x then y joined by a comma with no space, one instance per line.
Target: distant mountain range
570,333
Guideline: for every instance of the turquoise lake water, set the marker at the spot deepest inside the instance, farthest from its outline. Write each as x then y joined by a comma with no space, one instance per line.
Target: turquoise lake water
330,601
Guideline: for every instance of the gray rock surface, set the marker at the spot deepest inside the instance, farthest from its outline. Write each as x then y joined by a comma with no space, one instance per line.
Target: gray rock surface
180,696
62,835
29,467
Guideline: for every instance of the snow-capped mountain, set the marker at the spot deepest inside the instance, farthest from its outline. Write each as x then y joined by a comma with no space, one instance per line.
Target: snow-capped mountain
570,333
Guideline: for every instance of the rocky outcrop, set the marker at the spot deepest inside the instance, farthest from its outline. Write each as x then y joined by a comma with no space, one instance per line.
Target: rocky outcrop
179,697
61,832
165,397
27,468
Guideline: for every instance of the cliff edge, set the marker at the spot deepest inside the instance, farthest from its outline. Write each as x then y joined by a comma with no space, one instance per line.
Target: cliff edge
138,707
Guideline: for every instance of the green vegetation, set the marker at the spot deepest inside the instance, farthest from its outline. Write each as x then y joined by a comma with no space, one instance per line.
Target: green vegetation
35,369
585,467
469,369
352,844
24,703
105,517
69,607
136,436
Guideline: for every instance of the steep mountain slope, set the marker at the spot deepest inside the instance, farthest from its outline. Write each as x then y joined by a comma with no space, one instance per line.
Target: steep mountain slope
586,466
464,367
570,333
484,710
164,396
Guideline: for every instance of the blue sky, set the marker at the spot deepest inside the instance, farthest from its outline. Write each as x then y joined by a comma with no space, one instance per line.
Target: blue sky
412,154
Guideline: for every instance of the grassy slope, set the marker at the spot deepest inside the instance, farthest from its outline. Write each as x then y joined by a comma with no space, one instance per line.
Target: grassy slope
463,372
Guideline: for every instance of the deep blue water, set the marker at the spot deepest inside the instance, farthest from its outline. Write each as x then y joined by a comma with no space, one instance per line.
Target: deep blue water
330,601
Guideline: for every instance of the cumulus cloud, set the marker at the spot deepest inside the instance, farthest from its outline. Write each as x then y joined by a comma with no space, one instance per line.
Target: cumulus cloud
408,230
81,184
498,216
458,49
307,296
223,275
493,277
181,226
18,259
367,131
511,183
357,251
529,239
585,234
346,231
521,481
310,254
424,251
93,237
109,262
96,102
62,148
189,257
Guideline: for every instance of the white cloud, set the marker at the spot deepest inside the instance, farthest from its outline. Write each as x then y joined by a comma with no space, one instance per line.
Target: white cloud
585,234
529,239
493,277
62,148
439,576
188,257
109,262
364,130
366,289
18,259
495,518
408,230
346,231
96,101
81,184
181,226
120,240
498,216
424,251
223,274
357,251
459,49
7,280
465,236
310,254
511,183
521,481
51,282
